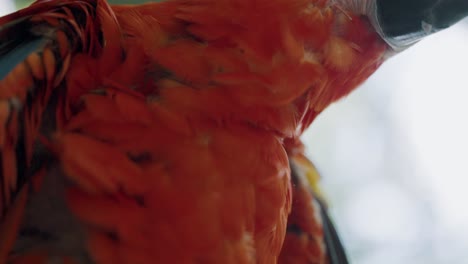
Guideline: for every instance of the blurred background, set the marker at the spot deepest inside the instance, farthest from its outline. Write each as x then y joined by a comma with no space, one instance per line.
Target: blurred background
393,155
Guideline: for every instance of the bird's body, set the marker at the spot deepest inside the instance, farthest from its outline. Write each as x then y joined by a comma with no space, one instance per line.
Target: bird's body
163,133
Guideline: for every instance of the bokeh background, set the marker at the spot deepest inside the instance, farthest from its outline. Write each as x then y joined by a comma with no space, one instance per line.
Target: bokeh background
393,155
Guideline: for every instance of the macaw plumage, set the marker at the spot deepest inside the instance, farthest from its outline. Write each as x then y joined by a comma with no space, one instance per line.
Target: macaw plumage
169,132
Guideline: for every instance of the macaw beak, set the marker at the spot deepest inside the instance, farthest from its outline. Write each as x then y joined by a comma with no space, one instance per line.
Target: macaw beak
402,23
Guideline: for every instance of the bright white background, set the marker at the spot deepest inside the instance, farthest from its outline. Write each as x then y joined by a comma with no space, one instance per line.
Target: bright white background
393,156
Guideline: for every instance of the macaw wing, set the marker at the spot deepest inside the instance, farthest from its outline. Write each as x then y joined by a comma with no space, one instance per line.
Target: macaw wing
15,49
38,44
311,236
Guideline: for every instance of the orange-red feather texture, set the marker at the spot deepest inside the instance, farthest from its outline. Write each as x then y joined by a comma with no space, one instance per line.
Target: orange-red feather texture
160,133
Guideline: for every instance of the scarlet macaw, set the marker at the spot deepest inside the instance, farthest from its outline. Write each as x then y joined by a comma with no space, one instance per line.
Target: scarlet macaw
164,132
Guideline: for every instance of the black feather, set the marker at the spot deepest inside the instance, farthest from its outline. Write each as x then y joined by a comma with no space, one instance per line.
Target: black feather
335,249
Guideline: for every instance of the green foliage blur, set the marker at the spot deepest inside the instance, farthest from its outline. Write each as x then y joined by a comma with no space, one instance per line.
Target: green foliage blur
22,3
